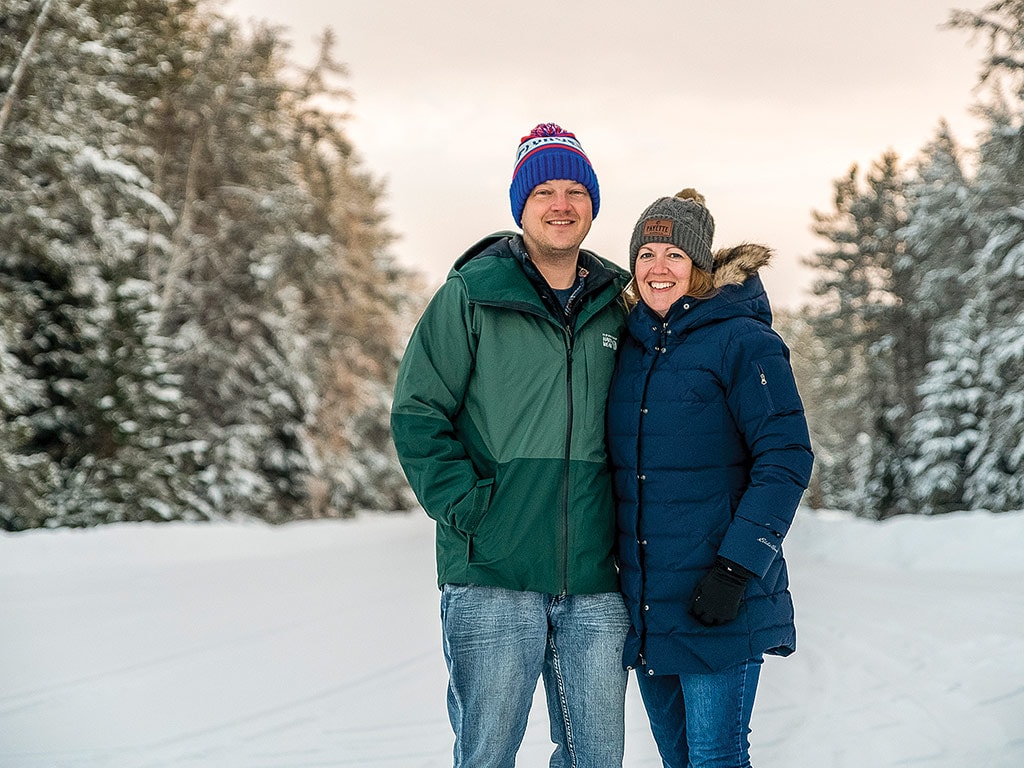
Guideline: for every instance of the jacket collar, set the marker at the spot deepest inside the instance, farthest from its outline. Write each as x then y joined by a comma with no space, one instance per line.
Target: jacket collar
497,270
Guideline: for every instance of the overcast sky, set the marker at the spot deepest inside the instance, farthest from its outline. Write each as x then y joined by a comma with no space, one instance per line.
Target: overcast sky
759,105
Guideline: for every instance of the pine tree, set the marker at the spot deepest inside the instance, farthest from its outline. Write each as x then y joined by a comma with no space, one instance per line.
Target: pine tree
199,310
279,284
360,299
27,479
873,341
944,228
225,166
826,424
995,464
70,210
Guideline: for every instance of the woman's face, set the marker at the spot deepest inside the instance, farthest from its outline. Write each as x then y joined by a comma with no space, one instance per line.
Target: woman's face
662,275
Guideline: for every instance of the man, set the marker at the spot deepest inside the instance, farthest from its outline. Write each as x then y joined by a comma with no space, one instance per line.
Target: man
498,419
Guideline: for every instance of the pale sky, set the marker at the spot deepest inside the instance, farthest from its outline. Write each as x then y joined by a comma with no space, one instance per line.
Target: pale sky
759,105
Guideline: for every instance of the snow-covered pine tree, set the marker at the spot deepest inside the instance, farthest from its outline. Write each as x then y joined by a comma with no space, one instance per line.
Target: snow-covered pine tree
826,424
995,464
27,478
218,340
944,227
71,209
358,300
840,359
225,163
874,344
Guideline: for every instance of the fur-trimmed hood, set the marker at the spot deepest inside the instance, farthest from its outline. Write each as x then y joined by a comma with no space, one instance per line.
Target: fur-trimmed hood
732,266
738,293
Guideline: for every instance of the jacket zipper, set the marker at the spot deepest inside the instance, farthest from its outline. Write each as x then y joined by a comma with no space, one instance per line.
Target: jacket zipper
567,326
640,543
569,339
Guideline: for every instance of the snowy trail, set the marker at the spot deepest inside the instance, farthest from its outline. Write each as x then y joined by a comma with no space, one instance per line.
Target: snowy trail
899,664
316,644
897,676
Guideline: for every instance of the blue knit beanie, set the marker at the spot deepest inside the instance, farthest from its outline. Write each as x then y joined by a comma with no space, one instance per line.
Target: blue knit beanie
546,154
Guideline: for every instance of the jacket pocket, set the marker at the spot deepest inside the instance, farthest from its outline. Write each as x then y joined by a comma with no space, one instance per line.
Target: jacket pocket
776,384
470,511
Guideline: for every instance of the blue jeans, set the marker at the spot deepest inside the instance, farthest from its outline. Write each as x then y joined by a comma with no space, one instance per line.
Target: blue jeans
499,642
702,721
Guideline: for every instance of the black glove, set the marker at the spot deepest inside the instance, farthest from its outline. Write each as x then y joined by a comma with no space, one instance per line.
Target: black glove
717,597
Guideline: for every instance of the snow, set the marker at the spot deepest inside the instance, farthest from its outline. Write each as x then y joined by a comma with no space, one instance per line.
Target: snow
240,645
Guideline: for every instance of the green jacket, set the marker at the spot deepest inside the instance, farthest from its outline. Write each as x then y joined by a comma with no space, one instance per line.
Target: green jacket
499,422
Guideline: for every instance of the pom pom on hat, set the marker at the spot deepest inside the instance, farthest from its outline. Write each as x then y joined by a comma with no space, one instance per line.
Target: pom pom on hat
682,220
549,152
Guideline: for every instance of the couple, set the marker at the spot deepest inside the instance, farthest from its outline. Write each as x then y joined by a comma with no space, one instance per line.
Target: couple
612,469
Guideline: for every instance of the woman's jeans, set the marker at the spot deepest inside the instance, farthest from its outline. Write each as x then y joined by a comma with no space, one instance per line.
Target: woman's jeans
499,642
702,721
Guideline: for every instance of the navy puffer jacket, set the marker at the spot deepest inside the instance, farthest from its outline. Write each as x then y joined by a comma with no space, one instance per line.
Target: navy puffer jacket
711,456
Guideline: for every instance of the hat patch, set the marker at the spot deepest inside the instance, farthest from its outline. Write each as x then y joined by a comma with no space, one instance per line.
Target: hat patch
660,228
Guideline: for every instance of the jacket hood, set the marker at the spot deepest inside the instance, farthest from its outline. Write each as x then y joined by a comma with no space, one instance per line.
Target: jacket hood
734,266
480,246
497,270
739,293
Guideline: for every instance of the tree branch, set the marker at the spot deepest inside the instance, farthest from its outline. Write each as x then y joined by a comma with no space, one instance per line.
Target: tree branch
22,68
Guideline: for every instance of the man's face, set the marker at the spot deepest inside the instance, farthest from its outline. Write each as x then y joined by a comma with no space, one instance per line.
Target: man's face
556,217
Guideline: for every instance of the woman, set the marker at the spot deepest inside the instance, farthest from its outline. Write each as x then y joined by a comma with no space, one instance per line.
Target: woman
711,456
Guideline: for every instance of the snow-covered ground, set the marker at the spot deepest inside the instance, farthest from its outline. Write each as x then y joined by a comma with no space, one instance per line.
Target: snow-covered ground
316,644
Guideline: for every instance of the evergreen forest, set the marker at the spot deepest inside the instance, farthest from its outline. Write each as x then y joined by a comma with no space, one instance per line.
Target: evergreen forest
200,316
911,358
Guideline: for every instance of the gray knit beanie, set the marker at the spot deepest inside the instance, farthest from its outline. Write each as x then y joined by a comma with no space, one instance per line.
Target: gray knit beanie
683,221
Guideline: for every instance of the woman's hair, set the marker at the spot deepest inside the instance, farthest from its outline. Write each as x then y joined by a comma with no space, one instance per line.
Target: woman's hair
702,286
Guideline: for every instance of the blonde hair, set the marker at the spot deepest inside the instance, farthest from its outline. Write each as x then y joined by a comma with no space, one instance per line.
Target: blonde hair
702,286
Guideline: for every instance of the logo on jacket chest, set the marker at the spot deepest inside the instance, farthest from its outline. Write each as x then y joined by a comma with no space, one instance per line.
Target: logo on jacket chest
610,341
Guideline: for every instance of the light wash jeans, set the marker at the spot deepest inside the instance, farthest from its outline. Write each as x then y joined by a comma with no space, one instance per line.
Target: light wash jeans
702,721
499,642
